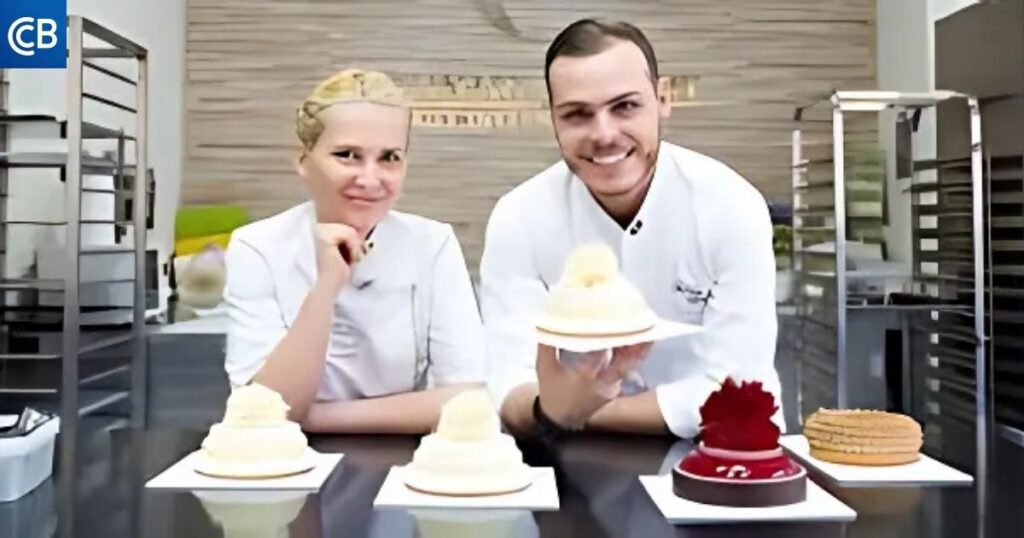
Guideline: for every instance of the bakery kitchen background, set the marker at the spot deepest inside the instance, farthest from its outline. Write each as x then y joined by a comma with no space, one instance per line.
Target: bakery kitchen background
475,71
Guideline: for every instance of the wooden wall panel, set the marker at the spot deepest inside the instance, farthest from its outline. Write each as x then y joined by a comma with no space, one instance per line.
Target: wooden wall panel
250,62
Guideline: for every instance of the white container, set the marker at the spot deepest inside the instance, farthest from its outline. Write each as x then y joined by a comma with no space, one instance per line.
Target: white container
25,462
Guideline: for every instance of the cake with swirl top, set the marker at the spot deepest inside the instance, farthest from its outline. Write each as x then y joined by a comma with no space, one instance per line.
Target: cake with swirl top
255,439
468,455
592,298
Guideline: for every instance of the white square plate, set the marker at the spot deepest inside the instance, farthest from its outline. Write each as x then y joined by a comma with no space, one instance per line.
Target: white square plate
541,495
819,506
182,476
923,472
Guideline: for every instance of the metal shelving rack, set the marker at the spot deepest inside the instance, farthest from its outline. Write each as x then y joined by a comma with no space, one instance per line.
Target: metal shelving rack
941,244
97,390
948,279
989,30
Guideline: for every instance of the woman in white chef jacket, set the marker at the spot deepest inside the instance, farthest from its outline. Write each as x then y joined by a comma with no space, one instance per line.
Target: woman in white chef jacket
362,317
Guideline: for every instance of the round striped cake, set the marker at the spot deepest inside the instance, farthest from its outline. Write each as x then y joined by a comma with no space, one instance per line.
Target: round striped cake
863,437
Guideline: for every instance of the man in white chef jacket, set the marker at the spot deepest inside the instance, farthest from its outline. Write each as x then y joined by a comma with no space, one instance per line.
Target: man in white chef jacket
692,234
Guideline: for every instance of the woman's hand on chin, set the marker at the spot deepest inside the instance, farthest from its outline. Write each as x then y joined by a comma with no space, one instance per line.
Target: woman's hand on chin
333,269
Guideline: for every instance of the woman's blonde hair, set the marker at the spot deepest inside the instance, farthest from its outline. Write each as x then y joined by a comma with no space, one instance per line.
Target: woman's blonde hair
348,86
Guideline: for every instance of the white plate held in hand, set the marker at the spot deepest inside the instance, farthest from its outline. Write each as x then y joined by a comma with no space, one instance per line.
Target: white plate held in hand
663,329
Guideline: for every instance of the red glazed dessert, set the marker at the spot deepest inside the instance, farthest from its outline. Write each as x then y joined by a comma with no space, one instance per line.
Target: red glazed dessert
739,461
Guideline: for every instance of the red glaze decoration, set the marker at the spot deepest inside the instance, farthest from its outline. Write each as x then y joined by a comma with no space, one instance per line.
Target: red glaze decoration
738,417
701,464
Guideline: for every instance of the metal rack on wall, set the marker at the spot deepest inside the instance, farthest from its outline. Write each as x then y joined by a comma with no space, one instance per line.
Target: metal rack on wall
58,349
838,314
989,30
943,342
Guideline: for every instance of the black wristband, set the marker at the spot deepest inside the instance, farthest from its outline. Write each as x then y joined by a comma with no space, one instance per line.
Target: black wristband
544,426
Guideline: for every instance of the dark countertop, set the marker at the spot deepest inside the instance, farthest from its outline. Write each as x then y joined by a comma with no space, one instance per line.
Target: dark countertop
600,496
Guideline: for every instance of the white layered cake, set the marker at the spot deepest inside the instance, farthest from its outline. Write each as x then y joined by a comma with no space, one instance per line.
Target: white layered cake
468,454
593,299
255,439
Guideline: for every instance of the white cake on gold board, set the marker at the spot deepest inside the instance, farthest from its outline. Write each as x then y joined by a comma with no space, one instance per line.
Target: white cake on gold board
255,439
592,298
468,454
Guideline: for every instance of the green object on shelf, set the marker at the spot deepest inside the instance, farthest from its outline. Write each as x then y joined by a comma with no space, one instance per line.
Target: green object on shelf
782,244
782,239
204,220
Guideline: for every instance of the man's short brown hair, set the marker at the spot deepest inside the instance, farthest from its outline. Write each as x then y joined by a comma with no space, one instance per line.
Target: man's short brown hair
587,37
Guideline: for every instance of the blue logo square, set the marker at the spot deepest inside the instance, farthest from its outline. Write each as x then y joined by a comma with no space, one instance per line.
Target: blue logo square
33,34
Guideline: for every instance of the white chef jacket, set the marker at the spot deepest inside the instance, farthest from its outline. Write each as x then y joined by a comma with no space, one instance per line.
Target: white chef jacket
699,250
406,320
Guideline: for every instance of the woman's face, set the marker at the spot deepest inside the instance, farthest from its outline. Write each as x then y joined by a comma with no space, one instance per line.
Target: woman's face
356,168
